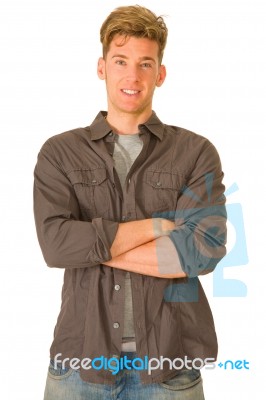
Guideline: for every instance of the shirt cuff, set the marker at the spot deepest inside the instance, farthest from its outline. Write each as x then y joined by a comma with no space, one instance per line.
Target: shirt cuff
105,235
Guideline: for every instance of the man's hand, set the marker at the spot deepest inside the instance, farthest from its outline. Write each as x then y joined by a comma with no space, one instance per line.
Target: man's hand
162,227
157,258
136,233
143,247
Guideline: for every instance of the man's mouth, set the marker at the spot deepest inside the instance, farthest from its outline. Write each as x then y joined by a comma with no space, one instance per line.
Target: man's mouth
130,91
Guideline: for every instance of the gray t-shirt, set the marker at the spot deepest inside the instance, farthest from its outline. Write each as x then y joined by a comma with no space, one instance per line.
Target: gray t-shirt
126,150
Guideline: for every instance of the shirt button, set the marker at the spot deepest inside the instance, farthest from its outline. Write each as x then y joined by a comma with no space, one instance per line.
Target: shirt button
116,325
124,218
94,181
117,287
159,184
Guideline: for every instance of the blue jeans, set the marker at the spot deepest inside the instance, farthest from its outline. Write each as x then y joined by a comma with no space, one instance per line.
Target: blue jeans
66,384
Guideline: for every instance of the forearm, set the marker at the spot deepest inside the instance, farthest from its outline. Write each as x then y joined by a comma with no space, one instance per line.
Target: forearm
156,258
136,233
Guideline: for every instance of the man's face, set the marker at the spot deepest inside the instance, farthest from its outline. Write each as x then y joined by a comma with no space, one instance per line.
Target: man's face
131,72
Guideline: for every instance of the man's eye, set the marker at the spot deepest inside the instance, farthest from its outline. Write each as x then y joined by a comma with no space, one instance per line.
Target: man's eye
120,62
146,65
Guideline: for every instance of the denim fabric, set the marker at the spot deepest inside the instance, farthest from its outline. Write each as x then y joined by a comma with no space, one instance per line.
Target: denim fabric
66,384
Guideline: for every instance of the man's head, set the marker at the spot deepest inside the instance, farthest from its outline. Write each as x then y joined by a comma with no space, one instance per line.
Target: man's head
133,41
134,21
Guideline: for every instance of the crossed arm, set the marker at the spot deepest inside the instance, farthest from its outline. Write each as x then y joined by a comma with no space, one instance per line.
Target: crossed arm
144,247
156,247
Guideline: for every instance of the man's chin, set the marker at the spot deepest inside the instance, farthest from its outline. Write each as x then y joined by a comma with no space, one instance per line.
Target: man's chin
133,110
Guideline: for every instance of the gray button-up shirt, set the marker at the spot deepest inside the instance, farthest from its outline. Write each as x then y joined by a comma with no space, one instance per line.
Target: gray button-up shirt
78,204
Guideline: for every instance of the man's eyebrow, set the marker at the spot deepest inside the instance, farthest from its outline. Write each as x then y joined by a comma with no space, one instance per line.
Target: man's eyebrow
119,56
144,58
147,58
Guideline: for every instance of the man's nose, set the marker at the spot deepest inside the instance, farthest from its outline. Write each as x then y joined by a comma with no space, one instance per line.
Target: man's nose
133,73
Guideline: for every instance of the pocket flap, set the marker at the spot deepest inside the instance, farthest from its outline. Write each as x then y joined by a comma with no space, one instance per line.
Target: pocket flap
163,180
88,177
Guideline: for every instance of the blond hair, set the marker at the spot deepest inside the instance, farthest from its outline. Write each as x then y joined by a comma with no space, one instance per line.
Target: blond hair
134,21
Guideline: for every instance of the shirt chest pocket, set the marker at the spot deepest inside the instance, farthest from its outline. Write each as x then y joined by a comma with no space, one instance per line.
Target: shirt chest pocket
92,191
162,190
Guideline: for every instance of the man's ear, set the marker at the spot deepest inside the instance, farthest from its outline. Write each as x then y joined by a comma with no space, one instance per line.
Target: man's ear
101,68
161,76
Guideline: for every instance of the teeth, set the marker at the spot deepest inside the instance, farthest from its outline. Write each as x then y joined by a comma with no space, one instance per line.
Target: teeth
128,91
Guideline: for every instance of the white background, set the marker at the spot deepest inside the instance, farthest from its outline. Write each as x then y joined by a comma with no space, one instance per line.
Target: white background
48,84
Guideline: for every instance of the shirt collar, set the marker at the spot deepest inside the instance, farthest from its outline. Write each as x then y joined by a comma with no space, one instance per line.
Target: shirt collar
100,128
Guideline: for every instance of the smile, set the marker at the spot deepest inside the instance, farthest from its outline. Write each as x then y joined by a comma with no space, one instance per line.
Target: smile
130,92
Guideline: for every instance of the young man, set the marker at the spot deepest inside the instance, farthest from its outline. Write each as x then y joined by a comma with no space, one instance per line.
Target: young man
133,210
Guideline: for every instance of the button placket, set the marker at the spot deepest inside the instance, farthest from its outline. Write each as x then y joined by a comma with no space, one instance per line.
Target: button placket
113,363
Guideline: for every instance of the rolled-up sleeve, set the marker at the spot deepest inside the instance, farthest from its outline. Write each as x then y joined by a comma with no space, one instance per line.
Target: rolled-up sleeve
65,239
200,216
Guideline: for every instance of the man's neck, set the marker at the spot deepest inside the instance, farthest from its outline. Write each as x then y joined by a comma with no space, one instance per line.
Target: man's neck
125,123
